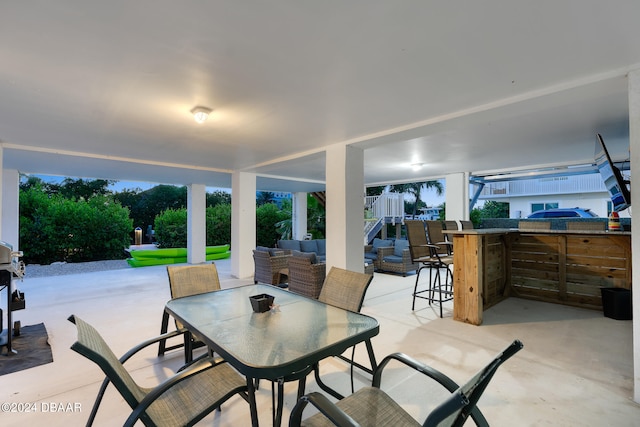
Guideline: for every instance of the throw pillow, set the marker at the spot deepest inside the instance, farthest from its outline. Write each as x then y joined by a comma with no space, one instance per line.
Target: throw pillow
379,243
311,256
308,246
400,246
293,245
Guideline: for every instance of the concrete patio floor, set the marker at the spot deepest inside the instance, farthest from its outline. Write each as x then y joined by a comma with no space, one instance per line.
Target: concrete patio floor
575,369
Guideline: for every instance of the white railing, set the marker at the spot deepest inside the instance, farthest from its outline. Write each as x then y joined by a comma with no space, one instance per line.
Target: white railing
591,183
385,205
369,225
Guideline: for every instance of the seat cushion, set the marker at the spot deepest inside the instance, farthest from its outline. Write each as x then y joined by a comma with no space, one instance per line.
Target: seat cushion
370,256
309,246
322,247
262,248
293,245
380,243
393,258
400,246
368,406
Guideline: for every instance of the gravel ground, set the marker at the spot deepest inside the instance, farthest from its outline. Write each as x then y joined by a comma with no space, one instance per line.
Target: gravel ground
63,268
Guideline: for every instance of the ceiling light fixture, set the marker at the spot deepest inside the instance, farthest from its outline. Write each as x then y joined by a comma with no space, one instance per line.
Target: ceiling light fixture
416,166
200,114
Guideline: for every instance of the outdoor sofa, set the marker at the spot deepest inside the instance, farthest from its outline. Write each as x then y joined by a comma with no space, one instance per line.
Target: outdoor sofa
317,246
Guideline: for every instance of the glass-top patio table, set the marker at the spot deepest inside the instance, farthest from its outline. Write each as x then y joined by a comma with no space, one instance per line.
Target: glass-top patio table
277,344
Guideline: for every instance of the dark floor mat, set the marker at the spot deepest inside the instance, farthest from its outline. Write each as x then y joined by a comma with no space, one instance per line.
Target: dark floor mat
32,347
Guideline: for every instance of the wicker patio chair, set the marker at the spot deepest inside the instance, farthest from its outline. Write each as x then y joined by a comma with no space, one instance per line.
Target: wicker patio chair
182,400
270,268
372,252
305,277
372,407
185,281
346,289
403,267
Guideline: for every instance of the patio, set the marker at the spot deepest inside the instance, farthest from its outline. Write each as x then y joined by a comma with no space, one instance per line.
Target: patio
576,367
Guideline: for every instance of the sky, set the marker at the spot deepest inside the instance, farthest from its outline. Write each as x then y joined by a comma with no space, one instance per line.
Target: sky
429,196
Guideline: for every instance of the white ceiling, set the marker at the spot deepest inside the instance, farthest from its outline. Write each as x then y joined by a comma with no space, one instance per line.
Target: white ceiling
105,89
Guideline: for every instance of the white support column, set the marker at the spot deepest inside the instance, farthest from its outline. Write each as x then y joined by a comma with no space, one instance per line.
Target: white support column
457,196
243,223
345,207
196,223
634,146
299,216
10,207
2,205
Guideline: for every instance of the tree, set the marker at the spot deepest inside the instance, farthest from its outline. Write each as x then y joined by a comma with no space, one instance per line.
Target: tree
56,228
145,205
219,224
264,197
316,218
267,216
285,226
218,198
376,191
415,189
171,228
79,188
493,209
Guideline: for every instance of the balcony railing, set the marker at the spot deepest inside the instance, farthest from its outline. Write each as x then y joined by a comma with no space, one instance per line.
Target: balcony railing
591,183
385,205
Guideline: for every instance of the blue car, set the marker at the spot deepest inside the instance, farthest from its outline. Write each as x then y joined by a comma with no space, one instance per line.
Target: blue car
564,213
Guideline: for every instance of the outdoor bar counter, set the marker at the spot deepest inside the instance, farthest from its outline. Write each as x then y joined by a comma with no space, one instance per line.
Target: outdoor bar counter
557,266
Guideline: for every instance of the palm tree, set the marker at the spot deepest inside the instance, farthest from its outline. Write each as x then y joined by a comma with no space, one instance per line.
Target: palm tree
415,189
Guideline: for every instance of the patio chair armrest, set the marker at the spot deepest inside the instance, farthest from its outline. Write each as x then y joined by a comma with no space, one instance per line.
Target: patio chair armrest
324,405
385,251
150,341
438,376
153,395
430,372
279,262
406,256
428,245
143,344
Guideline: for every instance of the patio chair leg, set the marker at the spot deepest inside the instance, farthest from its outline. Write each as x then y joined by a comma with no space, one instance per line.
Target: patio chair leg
163,329
415,288
252,402
188,347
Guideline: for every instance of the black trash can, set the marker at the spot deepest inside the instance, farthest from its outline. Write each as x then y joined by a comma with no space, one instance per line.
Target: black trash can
616,303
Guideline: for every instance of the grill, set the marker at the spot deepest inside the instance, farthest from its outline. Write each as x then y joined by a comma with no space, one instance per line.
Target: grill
10,260
11,267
